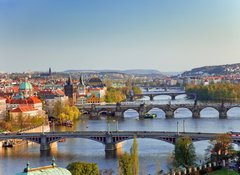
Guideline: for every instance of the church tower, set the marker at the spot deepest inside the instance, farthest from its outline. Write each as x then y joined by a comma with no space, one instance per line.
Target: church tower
50,71
70,90
81,86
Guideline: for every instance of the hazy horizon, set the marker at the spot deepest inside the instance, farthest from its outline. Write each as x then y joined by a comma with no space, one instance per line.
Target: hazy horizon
169,36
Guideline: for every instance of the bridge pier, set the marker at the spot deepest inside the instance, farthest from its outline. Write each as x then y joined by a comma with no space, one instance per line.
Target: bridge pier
109,145
118,114
196,112
44,145
142,111
151,97
169,114
173,97
93,115
222,112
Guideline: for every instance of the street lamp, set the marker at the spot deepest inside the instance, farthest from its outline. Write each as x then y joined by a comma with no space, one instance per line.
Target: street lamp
116,124
177,128
183,125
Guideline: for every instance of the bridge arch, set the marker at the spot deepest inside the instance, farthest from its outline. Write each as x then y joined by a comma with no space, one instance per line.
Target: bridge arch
163,139
162,97
209,112
234,111
160,112
128,113
103,111
181,96
183,112
85,112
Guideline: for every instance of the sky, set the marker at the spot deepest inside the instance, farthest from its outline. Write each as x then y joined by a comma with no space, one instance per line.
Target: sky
166,35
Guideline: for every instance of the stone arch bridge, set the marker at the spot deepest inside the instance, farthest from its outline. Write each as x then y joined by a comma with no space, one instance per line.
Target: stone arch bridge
169,109
151,95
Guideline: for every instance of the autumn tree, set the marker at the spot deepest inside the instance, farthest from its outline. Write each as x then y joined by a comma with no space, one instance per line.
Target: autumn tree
129,163
125,164
83,168
220,147
64,112
184,152
134,155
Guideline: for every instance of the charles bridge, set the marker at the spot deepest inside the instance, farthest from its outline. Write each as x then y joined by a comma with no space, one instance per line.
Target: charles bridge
110,139
118,109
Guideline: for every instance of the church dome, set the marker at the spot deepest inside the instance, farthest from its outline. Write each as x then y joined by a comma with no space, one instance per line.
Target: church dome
25,86
46,171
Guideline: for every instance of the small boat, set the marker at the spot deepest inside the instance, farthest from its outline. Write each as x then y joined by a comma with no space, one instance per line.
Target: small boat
147,115
62,140
7,143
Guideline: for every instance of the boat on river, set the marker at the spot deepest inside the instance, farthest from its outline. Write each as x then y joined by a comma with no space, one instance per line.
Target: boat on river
7,143
151,116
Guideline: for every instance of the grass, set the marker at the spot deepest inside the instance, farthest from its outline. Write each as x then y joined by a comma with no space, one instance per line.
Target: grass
223,171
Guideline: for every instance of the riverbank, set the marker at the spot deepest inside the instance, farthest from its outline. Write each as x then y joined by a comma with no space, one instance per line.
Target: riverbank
41,128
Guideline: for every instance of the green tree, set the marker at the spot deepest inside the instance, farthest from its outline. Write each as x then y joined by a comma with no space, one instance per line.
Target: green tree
57,109
136,90
184,152
83,168
125,164
134,155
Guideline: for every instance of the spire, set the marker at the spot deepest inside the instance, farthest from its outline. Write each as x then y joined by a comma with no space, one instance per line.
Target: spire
69,81
53,162
81,82
50,71
28,167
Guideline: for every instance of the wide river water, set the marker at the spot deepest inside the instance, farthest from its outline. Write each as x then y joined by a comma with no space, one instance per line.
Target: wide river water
153,154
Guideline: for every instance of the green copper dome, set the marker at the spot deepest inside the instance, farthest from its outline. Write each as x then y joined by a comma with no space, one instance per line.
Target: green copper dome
47,171
25,86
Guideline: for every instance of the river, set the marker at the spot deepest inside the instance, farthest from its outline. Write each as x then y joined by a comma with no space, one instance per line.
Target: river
153,154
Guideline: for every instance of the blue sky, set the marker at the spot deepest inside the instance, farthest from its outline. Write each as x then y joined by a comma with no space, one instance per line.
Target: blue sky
167,35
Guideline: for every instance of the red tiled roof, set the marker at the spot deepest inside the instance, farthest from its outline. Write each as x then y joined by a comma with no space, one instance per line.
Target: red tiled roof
24,108
33,100
1,98
30,100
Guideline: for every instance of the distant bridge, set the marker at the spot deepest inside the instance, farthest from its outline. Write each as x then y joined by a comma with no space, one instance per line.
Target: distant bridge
169,109
172,94
110,139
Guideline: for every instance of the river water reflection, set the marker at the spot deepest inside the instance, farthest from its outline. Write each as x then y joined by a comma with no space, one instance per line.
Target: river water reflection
152,153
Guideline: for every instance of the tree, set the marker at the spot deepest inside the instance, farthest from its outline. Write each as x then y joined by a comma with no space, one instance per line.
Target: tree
184,152
129,163
57,109
220,147
134,155
125,164
136,90
83,168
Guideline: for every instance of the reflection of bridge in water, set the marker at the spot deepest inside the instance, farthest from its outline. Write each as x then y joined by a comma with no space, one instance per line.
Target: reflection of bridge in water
169,109
110,139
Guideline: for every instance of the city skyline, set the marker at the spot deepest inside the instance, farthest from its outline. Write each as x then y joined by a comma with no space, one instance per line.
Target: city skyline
169,36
